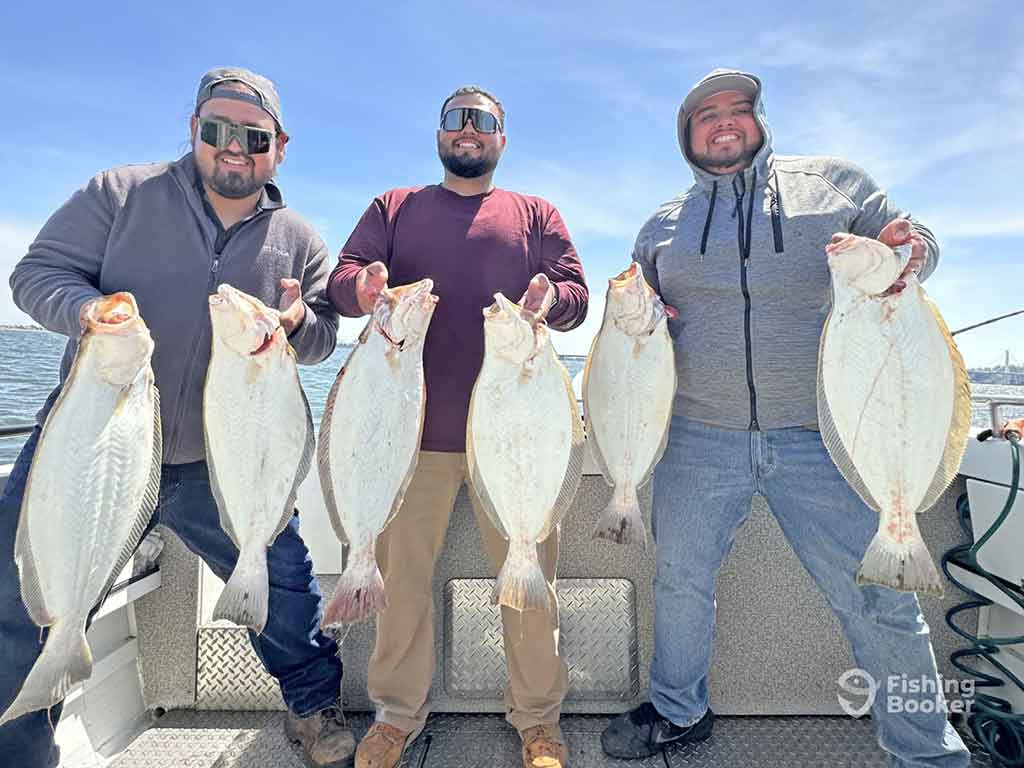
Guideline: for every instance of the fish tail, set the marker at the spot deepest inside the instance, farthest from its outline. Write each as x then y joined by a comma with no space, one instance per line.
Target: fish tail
359,594
246,595
622,521
906,565
521,583
65,661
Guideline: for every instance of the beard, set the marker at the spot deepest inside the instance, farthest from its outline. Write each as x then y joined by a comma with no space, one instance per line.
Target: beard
467,166
234,184
743,158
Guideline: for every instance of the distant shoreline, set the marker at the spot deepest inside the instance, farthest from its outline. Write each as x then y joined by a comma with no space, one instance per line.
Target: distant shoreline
20,328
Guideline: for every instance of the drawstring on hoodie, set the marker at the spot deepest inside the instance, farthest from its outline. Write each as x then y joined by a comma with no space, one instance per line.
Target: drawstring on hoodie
774,205
707,222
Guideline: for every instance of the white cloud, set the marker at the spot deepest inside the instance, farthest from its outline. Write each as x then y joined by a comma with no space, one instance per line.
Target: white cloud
15,237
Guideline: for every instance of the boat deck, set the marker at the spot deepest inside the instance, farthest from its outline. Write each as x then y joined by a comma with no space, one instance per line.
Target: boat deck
191,739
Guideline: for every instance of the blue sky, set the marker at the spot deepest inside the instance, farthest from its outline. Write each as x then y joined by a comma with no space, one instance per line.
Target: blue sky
928,97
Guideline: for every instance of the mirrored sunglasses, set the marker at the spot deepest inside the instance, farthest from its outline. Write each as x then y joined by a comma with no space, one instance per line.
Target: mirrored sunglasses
456,119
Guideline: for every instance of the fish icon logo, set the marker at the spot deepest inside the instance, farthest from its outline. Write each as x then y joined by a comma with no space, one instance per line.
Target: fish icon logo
856,683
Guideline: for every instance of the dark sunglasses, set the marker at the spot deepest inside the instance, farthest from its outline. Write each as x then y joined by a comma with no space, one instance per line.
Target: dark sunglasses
218,133
456,119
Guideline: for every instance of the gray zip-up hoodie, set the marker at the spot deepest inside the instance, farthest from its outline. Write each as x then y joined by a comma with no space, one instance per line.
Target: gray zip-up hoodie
742,257
143,228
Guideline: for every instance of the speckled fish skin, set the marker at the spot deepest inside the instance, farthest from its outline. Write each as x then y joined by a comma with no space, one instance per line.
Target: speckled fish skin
259,442
524,445
893,404
90,494
628,388
369,448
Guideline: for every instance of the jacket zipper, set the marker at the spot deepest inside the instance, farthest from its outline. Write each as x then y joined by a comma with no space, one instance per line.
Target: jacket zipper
744,255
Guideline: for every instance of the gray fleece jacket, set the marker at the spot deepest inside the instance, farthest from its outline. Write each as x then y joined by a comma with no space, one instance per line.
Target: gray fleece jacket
142,228
742,257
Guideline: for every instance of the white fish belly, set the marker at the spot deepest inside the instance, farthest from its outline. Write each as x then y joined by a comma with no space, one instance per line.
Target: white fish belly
630,389
257,427
374,435
889,385
521,441
86,487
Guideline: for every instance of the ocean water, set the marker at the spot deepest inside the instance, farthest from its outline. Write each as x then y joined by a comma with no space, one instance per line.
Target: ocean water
30,360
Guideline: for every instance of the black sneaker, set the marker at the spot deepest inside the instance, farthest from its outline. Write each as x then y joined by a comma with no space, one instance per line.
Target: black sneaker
643,732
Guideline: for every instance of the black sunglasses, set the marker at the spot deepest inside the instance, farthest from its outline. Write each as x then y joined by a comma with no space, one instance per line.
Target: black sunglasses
218,133
456,119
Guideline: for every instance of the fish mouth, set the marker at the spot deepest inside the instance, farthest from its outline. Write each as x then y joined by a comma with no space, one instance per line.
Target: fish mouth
268,340
114,312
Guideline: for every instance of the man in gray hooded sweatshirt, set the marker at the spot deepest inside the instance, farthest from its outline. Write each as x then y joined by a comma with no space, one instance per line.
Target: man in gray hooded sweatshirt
741,254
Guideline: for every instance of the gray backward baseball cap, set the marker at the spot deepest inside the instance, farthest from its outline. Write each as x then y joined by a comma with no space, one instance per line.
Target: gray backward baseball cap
265,95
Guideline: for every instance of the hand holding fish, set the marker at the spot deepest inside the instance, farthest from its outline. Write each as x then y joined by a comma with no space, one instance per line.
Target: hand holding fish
371,280
293,308
539,296
900,232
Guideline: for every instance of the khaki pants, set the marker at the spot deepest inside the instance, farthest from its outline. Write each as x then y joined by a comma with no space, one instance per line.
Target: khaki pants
402,665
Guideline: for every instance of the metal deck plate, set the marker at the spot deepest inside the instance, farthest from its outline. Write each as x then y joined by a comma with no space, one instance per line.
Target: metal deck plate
598,636
188,739
229,674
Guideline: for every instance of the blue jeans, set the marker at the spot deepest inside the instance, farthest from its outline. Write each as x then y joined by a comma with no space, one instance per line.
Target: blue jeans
292,647
703,489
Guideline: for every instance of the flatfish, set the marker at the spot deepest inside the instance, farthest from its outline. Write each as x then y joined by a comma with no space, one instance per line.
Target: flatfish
524,444
259,442
628,388
370,439
90,494
894,404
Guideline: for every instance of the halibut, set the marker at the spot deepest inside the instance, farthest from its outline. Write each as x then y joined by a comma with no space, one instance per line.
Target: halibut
90,494
524,445
894,404
628,388
370,440
259,442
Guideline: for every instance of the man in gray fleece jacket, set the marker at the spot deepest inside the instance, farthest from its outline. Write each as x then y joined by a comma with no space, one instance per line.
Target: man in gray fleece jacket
170,233
741,254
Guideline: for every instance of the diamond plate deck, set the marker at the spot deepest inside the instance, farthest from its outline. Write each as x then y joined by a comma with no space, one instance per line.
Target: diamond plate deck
598,638
186,739
229,674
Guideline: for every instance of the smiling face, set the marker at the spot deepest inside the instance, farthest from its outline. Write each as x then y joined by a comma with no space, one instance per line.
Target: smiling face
231,172
724,135
468,153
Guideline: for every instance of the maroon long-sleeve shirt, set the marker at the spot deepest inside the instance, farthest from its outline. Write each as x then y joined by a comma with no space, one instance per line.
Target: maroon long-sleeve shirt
471,247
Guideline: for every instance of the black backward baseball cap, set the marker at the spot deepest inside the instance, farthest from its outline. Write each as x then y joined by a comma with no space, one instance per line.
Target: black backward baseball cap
265,95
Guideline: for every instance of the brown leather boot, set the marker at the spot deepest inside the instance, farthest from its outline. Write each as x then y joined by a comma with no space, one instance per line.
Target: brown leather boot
383,745
543,747
326,739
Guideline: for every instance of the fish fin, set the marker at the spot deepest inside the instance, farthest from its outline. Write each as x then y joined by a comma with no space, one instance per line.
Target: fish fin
577,453
323,453
830,434
521,584
302,470
906,567
246,595
476,482
622,520
592,438
31,587
150,496
359,594
66,660
960,424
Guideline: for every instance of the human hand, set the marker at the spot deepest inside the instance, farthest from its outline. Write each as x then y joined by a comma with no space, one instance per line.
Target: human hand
900,232
539,296
371,280
293,308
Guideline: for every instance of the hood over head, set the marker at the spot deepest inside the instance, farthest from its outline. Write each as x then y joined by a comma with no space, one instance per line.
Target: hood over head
714,82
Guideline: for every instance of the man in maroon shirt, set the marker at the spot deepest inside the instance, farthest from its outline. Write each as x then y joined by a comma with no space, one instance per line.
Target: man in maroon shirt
473,239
